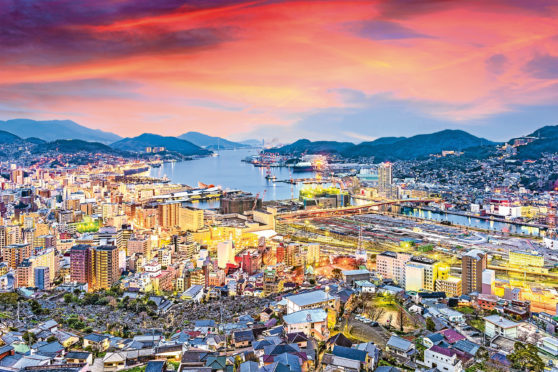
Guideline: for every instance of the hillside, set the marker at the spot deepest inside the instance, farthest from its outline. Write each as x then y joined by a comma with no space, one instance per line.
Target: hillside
76,146
7,138
139,144
312,147
52,130
419,146
210,142
546,142
393,148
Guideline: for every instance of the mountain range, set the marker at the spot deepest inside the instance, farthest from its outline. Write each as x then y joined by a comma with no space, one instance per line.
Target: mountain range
71,146
51,130
141,142
210,142
66,136
392,148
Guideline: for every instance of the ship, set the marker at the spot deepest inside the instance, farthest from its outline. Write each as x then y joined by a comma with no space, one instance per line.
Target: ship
303,166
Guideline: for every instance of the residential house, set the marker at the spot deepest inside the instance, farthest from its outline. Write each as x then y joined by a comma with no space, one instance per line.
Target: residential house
400,347
312,322
443,359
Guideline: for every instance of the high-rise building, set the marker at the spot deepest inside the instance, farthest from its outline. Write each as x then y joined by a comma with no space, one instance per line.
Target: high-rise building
190,219
168,214
42,277
414,277
429,272
14,254
139,244
280,253
472,265
292,255
385,178
106,266
391,265
312,253
225,253
81,264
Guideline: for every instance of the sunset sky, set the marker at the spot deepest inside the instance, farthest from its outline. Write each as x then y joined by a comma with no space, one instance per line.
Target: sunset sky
346,70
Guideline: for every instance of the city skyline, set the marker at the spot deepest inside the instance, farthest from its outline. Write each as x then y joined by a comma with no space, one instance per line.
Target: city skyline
284,69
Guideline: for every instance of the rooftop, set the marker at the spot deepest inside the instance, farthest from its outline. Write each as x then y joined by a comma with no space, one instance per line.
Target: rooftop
501,321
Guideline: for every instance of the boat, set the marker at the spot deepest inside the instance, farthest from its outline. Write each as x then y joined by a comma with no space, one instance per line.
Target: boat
303,166
269,176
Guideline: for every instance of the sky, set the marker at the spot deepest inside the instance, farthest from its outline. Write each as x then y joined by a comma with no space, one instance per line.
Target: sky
282,70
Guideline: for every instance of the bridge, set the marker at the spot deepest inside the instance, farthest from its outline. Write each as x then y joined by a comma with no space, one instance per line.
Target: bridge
347,211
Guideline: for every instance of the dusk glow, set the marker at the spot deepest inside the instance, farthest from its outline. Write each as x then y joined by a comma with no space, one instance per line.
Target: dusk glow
282,69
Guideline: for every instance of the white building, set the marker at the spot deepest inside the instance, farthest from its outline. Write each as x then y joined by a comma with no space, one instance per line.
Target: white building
442,359
550,345
414,277
495,325
310,300
225,253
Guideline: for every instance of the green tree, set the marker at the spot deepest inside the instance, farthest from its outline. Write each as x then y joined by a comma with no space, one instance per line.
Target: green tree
430,325
68,298
29,338
525,357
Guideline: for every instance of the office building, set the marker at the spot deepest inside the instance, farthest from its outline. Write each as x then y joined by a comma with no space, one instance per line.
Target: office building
190,219
473,263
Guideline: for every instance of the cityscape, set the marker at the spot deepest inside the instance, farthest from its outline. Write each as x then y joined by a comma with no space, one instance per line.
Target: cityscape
278,186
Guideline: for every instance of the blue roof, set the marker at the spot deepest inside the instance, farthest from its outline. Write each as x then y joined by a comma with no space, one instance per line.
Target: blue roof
205,323
289,360
435,337
466,346
349,353
304,316
95,337
399,343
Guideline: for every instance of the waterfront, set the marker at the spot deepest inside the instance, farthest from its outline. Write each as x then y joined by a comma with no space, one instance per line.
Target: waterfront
228,171
485,224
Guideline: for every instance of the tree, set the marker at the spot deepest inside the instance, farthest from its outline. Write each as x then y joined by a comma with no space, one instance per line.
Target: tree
525,357
430,325
400,318
68,298
29,338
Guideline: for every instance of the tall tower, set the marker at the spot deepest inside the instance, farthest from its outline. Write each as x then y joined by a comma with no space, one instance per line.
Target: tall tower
473,263
385,178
